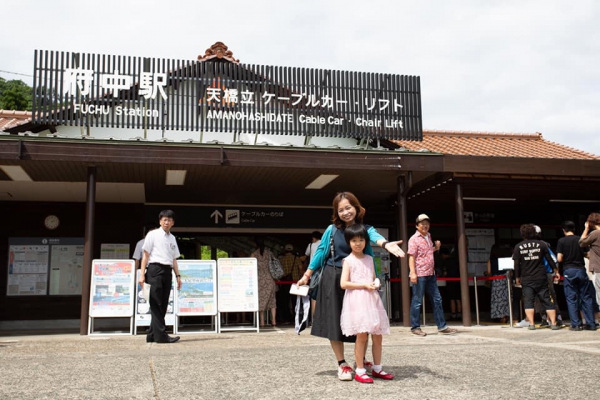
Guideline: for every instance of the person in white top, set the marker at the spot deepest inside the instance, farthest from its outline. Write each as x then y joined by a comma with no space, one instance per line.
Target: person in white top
158,262
138,253
310,253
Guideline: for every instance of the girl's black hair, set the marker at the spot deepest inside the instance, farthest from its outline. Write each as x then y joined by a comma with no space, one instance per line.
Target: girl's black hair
356,230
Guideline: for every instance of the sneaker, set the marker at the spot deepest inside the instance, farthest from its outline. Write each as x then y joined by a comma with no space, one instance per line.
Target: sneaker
448,331
364,378
383,375
560,323
344,372
555,327
576,328
544,324
522,324
418,332
590,327
531,327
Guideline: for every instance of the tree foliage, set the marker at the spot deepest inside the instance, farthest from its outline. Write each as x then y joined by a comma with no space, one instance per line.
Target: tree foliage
15,95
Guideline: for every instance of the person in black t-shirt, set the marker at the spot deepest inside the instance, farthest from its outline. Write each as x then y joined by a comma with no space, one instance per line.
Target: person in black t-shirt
576,282
530,272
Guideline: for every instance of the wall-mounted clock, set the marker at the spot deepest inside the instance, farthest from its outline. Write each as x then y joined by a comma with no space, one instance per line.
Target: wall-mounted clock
51,222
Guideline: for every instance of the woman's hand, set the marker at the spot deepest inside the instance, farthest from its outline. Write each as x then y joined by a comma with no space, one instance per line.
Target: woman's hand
304,280
394,248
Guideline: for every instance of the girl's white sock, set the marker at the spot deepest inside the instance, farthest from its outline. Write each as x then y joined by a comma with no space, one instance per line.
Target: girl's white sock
377,368
360,371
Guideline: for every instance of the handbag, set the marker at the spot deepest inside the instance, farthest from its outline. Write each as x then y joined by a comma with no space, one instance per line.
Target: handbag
275,268
315,279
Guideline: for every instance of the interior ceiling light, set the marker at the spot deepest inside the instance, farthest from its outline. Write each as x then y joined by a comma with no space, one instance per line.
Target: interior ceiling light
489,198
175,177
573,201
16,173
322,181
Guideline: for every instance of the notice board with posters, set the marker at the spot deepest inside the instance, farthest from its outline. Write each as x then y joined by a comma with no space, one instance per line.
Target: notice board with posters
198,293
111,290
39,266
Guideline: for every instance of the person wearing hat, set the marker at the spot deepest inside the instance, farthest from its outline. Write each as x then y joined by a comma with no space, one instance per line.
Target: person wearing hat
292,271
423,278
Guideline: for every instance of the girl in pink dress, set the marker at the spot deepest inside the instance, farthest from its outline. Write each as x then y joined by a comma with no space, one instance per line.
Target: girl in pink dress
363,312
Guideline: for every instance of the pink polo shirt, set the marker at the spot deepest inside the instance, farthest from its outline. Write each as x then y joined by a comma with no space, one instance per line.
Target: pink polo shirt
422,248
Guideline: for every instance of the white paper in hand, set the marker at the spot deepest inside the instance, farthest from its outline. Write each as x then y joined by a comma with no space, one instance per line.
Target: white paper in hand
147,291
299,290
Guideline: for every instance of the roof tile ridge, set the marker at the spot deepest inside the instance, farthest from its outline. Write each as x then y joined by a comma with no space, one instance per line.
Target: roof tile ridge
480,134
12,113
594,156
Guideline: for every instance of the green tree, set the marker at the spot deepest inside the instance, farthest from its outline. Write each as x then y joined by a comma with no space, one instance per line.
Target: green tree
15,95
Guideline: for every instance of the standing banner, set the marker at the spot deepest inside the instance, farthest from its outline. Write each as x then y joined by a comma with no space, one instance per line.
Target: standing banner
237,288
142,306
111,290
198,293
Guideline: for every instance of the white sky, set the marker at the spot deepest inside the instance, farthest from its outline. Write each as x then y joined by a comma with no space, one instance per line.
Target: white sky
494,66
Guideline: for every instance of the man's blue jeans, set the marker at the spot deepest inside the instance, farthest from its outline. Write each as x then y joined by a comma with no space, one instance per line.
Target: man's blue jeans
577,293
426,284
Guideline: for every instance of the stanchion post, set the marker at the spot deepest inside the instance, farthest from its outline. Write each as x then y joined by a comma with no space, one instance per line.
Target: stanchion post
510,300
476,300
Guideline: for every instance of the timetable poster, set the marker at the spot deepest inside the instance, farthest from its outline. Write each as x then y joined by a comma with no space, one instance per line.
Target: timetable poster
112,288
198,293
28,261
237,282
66,266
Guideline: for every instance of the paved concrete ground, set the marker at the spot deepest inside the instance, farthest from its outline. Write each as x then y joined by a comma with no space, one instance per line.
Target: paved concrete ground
490,362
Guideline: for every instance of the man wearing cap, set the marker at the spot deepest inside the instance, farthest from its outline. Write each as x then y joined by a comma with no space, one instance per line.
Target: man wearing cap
423,278
292,272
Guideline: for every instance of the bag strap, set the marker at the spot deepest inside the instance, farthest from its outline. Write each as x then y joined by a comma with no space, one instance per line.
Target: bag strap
331,246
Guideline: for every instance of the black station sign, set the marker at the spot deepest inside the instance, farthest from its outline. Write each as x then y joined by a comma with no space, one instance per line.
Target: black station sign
206,96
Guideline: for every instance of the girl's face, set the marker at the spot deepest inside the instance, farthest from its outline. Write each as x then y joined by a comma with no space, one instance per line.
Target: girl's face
346,212
357,244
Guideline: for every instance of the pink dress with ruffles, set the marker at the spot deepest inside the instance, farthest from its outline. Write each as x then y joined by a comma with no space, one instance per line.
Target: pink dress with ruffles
363,309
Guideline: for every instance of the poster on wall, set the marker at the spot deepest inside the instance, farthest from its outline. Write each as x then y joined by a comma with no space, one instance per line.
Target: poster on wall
480,242
111,290
198,293
66,266
28,260
237,284
114,251
142,306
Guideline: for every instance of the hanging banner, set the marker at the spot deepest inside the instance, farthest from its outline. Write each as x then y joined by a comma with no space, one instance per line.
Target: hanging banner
198,293
112,288
237,284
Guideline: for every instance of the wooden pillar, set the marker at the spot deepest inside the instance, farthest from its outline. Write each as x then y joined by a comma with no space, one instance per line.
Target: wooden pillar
88,250
462,258
403,188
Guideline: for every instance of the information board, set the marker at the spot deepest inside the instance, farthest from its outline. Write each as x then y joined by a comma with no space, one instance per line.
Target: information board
142,306
480,242
112,288
28,260
198,293
237,284
66,266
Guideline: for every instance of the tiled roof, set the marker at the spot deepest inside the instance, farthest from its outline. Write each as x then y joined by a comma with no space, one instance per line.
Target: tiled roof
493,145
12,118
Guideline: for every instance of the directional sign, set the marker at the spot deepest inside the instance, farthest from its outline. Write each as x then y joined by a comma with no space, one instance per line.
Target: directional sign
216,215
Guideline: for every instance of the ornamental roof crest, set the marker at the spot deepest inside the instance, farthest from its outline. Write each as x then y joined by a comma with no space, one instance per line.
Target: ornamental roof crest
220,52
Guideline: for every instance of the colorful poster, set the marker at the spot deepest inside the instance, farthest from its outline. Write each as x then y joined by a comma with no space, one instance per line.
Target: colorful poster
28,260
198,294
237,284
111,291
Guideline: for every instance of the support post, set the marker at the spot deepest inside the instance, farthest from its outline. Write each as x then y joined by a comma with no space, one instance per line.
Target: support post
88,250
403,188
462,257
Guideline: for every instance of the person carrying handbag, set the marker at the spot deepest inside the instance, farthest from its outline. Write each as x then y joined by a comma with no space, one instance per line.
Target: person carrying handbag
326,322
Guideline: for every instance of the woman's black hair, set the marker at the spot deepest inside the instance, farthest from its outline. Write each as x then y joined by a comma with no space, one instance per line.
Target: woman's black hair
356,230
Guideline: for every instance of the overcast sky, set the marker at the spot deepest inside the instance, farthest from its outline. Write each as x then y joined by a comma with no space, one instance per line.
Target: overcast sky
492,66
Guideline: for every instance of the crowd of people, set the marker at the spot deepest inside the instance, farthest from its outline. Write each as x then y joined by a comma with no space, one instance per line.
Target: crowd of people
349,308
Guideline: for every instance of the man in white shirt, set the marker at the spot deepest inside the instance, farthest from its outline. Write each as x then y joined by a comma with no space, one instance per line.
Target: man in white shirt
159,260
138,253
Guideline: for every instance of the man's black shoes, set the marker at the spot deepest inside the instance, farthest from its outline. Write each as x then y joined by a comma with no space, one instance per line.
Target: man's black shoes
170,339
